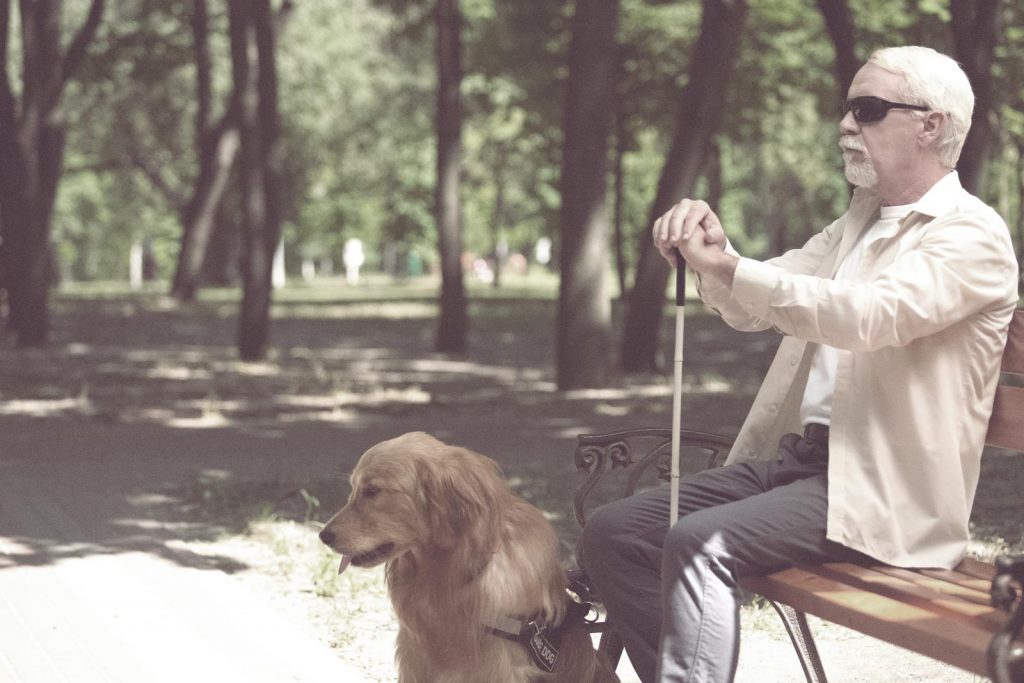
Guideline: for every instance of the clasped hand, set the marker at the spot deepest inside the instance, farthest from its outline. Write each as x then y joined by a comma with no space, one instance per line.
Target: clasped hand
694,229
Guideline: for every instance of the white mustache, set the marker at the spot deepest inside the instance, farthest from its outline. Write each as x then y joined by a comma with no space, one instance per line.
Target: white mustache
852,144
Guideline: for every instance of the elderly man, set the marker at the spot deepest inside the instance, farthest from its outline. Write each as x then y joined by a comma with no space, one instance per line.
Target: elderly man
865,438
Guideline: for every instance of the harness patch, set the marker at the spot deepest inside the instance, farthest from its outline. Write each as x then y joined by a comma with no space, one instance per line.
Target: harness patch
539,643
542,642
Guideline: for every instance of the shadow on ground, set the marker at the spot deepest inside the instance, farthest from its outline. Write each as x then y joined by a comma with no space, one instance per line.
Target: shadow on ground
137,430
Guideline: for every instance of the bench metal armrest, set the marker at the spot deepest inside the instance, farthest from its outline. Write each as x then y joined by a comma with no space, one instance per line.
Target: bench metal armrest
621,463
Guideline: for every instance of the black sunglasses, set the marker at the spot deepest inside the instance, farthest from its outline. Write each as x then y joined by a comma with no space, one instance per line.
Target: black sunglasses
869,109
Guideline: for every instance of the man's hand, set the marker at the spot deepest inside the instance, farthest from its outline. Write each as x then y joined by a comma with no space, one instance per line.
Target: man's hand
694,229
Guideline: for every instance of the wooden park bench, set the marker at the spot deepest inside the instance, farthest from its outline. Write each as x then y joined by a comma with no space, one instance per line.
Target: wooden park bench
954,616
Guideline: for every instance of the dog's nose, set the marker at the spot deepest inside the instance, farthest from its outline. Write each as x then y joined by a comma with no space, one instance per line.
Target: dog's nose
327,537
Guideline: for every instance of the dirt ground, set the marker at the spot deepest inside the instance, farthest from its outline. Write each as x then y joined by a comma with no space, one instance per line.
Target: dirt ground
159,500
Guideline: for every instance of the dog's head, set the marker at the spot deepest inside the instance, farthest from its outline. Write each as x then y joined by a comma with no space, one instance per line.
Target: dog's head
415,493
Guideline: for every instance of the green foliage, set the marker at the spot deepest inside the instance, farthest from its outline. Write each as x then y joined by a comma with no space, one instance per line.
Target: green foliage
359,129
133,102
98,217
357,100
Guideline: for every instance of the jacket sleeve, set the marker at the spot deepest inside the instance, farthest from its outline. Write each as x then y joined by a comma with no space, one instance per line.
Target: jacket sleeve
962,263
737,313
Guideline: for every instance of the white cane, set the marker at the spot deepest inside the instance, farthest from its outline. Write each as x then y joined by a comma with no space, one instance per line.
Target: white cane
677,388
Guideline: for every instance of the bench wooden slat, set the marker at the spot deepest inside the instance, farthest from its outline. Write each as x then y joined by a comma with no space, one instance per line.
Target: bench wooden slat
986,571
954,577
935,635
934,595
962,587
1013,356
1004,427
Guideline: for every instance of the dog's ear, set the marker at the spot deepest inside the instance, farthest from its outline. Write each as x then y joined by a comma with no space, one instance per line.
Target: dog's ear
465,496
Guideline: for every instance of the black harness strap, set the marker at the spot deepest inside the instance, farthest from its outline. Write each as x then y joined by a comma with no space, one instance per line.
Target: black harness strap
541,641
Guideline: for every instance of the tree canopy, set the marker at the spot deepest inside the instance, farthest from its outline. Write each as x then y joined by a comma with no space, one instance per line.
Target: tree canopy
357,88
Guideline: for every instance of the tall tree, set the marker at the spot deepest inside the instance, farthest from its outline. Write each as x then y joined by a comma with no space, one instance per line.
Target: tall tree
701,108
619,198
205,254
453,323
976,33
216,142
32,139
584,311
255,99
841,29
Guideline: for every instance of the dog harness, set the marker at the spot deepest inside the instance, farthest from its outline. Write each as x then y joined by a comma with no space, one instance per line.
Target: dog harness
539,639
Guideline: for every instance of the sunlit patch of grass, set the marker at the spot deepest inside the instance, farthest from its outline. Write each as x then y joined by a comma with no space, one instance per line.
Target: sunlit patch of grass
393,310
109,289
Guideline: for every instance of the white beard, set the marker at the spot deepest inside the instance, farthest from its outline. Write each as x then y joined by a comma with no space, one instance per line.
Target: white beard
859,173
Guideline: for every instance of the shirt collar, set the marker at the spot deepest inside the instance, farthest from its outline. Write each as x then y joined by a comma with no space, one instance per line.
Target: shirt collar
943,196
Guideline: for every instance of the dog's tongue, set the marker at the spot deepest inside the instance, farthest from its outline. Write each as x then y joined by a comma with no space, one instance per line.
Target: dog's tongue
345,562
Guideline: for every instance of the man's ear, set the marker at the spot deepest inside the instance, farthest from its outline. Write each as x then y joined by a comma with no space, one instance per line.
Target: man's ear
933,123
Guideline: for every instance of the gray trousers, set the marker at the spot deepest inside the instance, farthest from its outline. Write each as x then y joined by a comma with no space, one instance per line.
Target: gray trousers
672,594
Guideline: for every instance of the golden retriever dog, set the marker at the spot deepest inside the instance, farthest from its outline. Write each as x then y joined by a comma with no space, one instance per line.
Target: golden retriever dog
468,564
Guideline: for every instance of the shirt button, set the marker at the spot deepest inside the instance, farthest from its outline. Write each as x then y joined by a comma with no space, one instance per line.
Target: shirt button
793,361
773,408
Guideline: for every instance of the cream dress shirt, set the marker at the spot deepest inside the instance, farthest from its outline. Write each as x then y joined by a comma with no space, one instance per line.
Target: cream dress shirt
919,332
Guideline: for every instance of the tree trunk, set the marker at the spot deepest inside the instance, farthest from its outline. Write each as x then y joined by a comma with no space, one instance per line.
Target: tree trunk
32,148
840,27
223,253
713,174
976,32
498,217
453,323
584,311
703,101
255,96
618,210
217,154
11,200
217,147
1020,210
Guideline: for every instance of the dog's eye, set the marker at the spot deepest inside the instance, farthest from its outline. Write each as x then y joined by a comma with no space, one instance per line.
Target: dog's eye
369,491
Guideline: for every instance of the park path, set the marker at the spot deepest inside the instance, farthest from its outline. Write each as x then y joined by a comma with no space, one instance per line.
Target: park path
95,584
100,580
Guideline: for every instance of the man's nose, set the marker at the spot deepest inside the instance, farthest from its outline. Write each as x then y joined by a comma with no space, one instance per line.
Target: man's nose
848,125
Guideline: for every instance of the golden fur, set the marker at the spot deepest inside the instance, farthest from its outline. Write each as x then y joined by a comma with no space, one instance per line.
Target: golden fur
460,548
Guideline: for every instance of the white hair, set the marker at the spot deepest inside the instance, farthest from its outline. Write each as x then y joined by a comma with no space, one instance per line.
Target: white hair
937,81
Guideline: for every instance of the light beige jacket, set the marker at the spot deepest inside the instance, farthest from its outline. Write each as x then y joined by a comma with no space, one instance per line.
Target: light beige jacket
920,330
